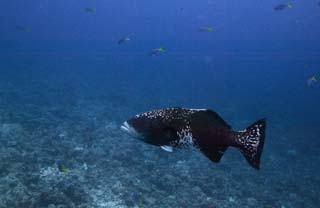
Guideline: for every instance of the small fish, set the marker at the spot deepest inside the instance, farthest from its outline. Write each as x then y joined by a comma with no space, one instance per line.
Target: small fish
23,28
206,29
123,40
137,199
65,170
91,10
312,80
203,129
62,168
280,7
157,51
140,202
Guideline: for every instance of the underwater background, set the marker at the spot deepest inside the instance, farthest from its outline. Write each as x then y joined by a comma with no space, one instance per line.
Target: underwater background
66,86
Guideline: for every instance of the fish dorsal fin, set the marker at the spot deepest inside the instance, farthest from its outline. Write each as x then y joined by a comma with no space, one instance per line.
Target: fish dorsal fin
211,118
216,115
167,148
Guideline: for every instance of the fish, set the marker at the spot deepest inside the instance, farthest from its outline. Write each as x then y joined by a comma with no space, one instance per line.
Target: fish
312,80
62,168
22,28
122,40
91,10
157,51
137,199
206,29
280,7
202,129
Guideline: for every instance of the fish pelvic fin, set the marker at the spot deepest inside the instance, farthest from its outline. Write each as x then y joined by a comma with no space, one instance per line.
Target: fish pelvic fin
250,141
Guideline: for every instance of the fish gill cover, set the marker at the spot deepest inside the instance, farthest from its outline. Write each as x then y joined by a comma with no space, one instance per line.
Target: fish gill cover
71,72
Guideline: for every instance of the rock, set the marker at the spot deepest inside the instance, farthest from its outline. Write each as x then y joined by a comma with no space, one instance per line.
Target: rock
292,152
252,202
11,131
51,206
231,199
61,206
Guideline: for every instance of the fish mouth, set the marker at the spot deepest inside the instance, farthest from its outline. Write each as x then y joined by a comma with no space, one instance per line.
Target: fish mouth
127,128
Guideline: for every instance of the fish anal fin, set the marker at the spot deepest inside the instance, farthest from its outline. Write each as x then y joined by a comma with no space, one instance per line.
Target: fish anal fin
214,155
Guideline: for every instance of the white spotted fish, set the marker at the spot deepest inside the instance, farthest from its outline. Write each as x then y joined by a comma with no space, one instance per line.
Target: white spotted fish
201,128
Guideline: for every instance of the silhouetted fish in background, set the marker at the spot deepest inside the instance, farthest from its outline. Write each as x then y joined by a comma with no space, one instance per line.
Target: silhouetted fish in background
280,7
312,80
206,29
200,128
123,40
157,51
91,10
22,28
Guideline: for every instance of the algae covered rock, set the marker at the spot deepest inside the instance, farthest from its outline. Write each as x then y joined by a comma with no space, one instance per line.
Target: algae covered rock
10,130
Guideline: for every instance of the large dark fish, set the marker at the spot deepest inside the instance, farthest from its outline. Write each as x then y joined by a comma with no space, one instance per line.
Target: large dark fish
201,128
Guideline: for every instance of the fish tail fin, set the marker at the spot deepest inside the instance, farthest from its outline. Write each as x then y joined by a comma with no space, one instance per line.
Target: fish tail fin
250,141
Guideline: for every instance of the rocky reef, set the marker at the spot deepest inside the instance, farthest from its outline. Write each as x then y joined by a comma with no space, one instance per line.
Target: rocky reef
61,147
82,159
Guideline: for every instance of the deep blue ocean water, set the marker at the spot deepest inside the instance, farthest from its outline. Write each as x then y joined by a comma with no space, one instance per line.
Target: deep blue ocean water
66,86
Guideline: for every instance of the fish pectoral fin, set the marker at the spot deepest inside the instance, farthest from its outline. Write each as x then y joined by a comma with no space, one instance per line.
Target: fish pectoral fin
167,148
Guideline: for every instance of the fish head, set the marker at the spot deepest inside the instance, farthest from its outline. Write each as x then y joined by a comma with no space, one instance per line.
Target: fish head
141,126
126,127
150,129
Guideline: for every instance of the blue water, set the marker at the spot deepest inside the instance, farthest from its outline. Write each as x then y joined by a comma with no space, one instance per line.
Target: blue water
66,86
